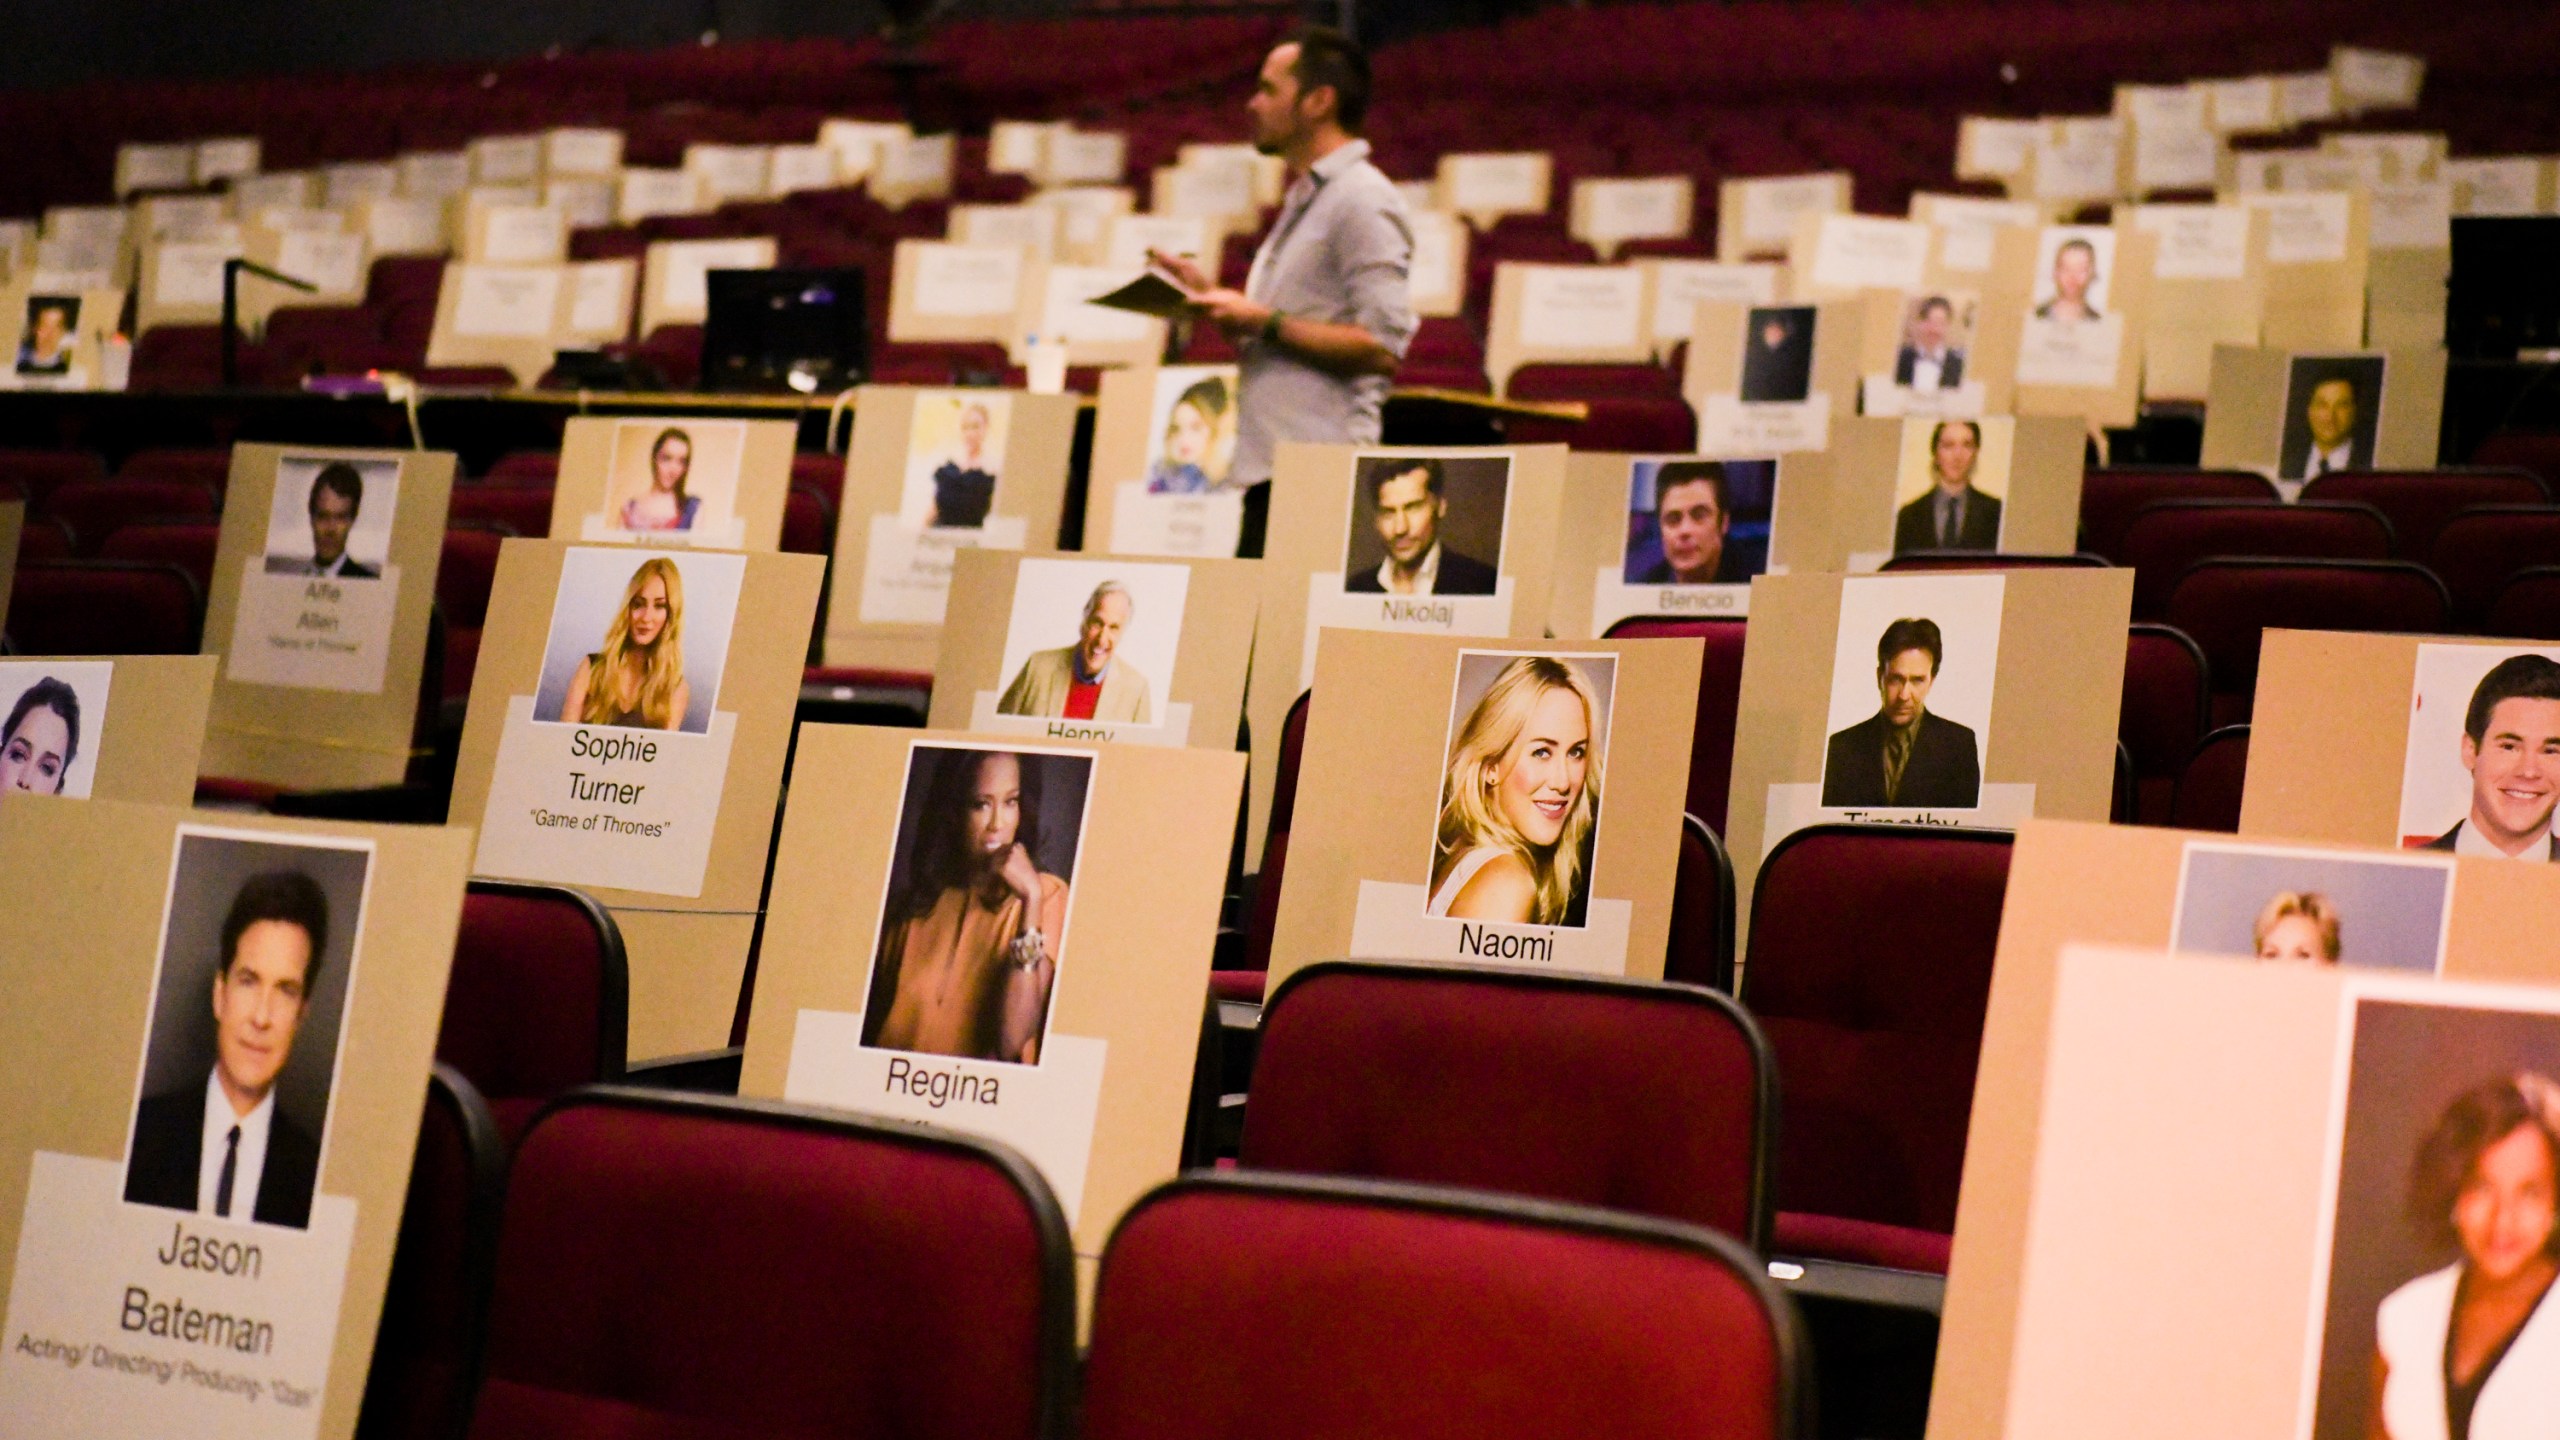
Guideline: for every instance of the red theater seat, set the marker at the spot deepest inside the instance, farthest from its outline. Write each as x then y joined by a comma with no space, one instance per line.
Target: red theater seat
1991,560
808,522
691,1268
2421,502
188,544
539,1000
2168,703
1719,701
2228,605
210,466
1592,382
2534,450
2109,499
38,473
2477,550
44,538
2208,794
96,509
2168,537
1869,970
104,607
1235,1305
463,580
2527,606
1632,425
1702,903
1449,1076
523,510
426,1349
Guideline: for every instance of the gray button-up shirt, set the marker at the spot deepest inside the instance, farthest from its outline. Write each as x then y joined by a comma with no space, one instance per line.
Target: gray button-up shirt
1341,252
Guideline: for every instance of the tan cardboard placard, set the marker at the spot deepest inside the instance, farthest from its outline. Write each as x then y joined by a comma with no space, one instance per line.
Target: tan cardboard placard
2316,260
2407,156
2072,161
112,727
2376,79
79,359
1014,146
1164,439
1678,287
297,189
731,172
1033,227
1485,827
2033,358
320,671
1989,148
154,167
2276,411
581,150
2169,139
2500,185
941,291
663,808
2363,739
513,234
337,263
1771,379
433,174
674,289
929,473
1439,273
226,158
2409,264
641,193
798,168
2017,717
1567,315
1225,192
505,159
673,480
1967,227
1494,530
1195,237
584,201
1169,638
1658,535
1069,156
1871,496
278,1304
1484,187
1839,256
1055,305
506,315
181,281
909,168
401,225
2075,886
600,301
1608,213
1756,218
1127,845
858,144
2208,288
1085,213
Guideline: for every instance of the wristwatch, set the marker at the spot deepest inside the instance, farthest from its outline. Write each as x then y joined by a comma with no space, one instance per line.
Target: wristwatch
1271,327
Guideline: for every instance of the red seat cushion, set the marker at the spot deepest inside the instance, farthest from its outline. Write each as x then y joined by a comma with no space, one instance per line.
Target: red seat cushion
1861,1242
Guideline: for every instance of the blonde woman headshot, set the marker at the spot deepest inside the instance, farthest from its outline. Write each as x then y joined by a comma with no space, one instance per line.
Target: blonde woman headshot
665,505
2472,1351
2299,927
1194,437
1520,800
637,679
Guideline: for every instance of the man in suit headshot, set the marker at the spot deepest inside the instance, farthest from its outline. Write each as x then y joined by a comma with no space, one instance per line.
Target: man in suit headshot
1086,680
2331,439
2511,746
1692,517
1777,355
1408,499
1953,515
2075,270
1902,755
337,493
1926,361
220,1146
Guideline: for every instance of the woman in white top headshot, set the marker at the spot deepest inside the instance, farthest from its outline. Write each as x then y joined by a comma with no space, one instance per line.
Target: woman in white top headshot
1520,800
2471,1352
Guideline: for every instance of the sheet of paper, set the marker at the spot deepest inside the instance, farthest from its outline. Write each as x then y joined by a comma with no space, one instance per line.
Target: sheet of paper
507,301
1680,285
1864,252
2305,229
954,280
1582,307
2197,242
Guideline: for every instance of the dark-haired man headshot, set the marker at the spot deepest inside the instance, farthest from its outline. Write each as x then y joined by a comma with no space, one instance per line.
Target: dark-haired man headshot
1903,755
1408,500
337,493
44,348
1692,515
1952,515
2511,746
2333,433
2075,271
1777,355
220,1146
1927,361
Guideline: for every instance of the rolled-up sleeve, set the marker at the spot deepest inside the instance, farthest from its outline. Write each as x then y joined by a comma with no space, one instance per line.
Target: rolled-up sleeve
1375,250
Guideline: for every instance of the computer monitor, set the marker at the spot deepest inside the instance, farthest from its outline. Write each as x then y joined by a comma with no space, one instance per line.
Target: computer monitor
2504,296
797,331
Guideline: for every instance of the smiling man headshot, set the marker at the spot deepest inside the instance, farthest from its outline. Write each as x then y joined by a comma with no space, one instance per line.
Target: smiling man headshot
1086,680
1409,500
337,494
2511,746
221,1147
1903,755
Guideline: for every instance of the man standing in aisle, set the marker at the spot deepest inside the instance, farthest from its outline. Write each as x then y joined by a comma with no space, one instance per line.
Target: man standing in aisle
1327,310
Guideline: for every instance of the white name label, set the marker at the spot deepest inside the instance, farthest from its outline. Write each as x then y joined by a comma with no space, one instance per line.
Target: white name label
1329,606
312,633
1729,427
1389,923
1613,599
604,804
1189,525
1173,731
906,574
1794,806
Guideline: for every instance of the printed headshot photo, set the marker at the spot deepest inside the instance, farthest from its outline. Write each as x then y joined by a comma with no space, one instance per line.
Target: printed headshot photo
1777,355
1949,483
1937,332
257,958
1698,522
974,928
639,640
2074,264
2332,409
1092,639
679,475
955,456
1426,524
2482,765
50,335
2313,907
1912,674
1520,794
1192,438
331,518
2440,1248
55,709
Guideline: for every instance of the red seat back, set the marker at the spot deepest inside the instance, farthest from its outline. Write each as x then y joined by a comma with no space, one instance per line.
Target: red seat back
2208,794
1870,968
188,544
2109,499
680,1266
42,537
95,509
427,1348
2168,537
1447,1076
1634,424
2534,450
209,466
1270,1306
2419,502
2478,549
1592,382
1719,701
2228,605
1992,560
523,510
2168,705
38,473
1702,901
808,523
2527,606
104,607
539,998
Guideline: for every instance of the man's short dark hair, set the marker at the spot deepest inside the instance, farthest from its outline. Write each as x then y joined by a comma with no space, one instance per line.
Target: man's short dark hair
2518,677
288,896
1433,478
342,480
2077,243
1904,635
1326,56
1688,472
1936,302
1938,432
